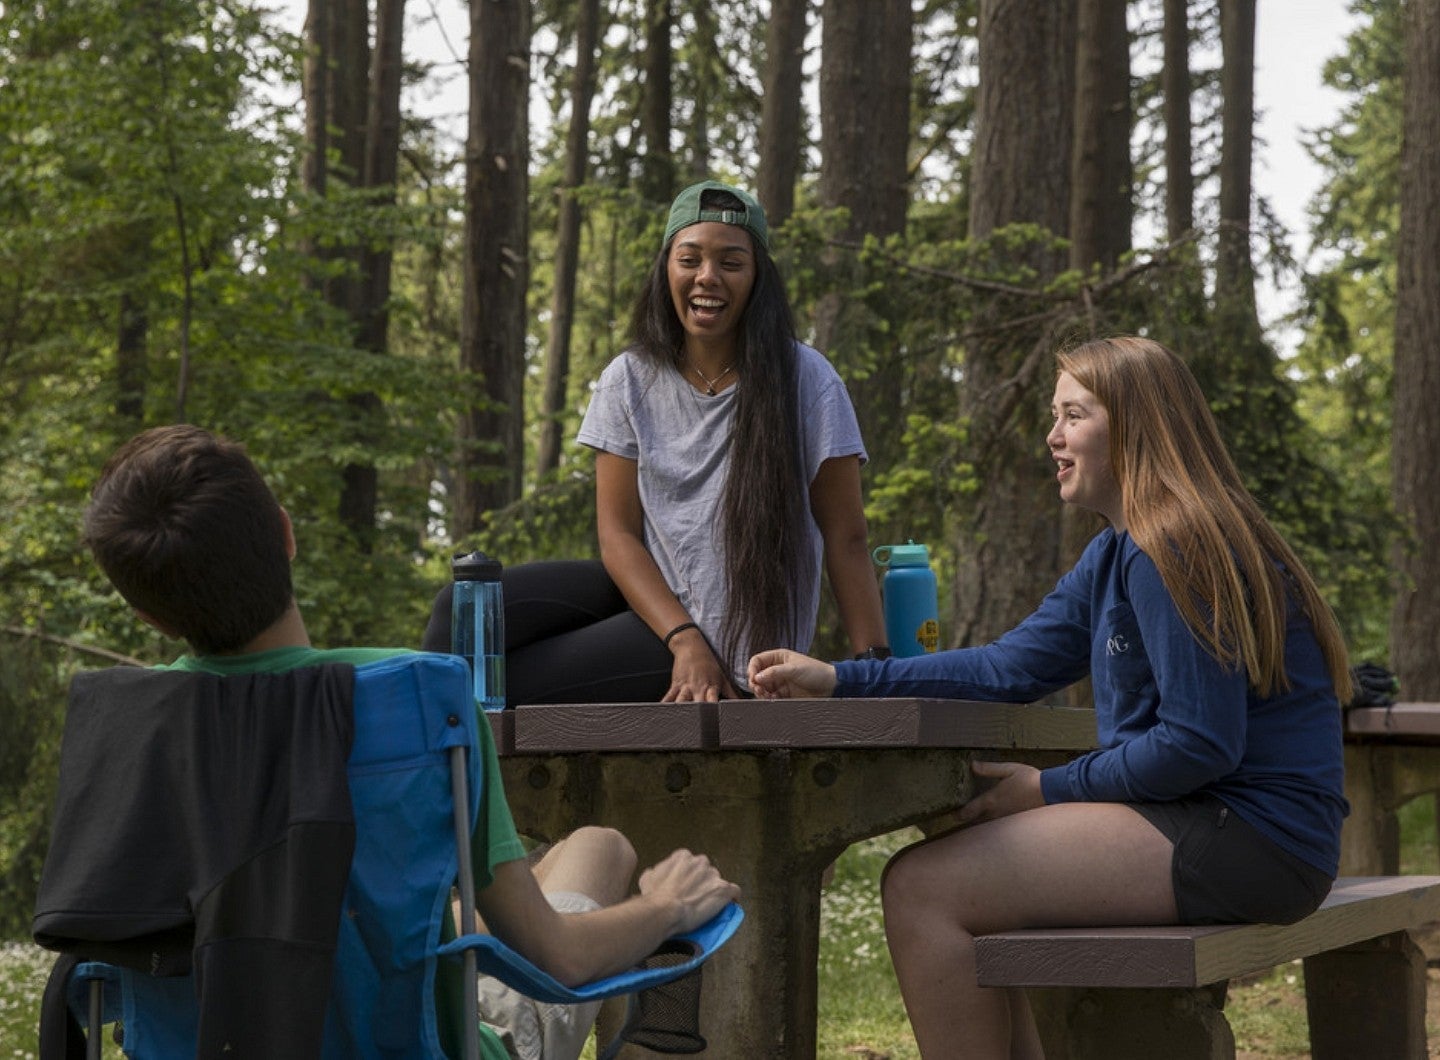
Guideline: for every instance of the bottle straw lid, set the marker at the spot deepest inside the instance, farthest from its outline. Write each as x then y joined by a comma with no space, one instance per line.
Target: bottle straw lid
475,567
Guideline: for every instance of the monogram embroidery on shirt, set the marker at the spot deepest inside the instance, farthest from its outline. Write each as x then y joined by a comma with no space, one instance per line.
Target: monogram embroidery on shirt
1116,645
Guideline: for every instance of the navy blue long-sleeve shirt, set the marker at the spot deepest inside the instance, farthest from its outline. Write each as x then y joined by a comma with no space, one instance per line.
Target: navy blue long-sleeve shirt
1171,719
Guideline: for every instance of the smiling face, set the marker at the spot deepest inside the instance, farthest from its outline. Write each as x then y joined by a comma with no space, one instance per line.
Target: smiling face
711,272
1080,445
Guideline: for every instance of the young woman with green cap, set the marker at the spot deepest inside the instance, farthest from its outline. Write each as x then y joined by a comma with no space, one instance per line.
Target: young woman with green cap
727,470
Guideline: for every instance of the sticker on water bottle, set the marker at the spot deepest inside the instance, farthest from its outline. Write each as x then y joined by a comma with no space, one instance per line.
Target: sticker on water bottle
929,634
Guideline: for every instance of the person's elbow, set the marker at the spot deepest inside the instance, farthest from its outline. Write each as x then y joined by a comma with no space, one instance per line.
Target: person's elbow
1185,768
569,969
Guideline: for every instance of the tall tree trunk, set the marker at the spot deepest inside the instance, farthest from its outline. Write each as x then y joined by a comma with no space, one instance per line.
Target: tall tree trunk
865,112
339,109
865,136
359,496
657,166
1100,198
780,128
1101,210
705,68
1008,539
380,165
350,92
1234,266
1179,163
316,90
1415,620
492,343
1024,118
567,236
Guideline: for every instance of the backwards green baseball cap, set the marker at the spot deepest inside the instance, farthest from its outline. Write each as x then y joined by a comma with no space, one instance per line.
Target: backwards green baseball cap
687,210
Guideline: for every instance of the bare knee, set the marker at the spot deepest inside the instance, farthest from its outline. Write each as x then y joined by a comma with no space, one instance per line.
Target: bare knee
594,861
905,893
928,889
606,847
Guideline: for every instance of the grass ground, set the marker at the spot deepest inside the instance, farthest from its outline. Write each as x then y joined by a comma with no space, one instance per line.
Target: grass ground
861,1017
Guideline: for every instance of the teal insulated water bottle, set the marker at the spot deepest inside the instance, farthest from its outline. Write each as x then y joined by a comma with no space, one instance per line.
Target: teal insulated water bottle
477,625
912,609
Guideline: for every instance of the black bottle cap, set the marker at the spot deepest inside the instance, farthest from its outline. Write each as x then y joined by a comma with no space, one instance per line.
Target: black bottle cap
475,567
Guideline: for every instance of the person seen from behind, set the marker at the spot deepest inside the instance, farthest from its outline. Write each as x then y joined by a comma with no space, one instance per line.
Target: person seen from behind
187,530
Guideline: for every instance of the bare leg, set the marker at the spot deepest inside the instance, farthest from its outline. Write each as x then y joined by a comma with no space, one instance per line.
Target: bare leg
1072,864
596,862
593,861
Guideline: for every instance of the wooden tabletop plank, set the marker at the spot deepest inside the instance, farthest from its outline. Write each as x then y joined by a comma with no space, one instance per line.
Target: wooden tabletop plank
832,723
1402,721
502,727
1358,908
573,727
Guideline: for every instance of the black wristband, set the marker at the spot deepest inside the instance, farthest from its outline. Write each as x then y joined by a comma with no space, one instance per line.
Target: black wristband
877,652
681,628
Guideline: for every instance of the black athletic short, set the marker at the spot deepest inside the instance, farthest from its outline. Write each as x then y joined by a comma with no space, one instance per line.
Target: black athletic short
1225,872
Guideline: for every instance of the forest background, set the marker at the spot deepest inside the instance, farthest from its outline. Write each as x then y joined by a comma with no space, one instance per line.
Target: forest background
207,218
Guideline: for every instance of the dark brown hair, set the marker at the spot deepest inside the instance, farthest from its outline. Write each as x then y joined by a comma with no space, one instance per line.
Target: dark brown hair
186,529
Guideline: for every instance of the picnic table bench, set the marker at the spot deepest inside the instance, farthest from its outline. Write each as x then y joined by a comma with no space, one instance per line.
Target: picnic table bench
1144,992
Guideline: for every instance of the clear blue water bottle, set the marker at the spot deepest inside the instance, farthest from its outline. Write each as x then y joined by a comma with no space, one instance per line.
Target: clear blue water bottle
477,625
912,605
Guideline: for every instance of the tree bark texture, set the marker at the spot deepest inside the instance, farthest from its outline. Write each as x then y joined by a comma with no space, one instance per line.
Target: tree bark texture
1024,114
781,131
865,136
657,165
1415,620
865,112
350,76
381,160
1179,155
705,69
567,236
492,341
1234,265
341,101
1009,541
1100,195
379,155
316,90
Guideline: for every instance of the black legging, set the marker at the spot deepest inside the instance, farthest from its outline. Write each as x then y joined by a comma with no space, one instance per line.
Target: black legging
570,637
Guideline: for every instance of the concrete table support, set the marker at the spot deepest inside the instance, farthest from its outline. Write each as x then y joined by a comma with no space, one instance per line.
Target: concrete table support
780,792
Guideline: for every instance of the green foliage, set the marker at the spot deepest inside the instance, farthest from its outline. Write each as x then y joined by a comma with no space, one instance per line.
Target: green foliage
553,520
158,260
859,999
1343,365
32,684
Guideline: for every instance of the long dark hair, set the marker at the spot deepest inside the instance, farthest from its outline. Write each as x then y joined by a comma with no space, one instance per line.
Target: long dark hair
766,501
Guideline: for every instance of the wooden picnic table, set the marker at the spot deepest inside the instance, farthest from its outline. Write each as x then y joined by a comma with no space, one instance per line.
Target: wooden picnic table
773,792
1392,755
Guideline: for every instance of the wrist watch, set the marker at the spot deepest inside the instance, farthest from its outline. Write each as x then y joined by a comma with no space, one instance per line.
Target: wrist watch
878,652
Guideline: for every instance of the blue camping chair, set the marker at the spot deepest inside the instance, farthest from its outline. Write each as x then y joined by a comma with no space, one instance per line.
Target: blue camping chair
414,789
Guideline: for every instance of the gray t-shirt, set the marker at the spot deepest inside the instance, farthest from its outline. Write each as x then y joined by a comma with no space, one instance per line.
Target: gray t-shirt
679,439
